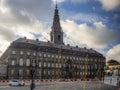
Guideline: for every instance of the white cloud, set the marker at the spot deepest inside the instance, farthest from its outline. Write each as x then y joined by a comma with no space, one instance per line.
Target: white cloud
114,53
19,23
110,4
96,36
3,46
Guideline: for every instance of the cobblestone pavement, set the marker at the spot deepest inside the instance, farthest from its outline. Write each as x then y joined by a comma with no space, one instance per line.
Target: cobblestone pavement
81,85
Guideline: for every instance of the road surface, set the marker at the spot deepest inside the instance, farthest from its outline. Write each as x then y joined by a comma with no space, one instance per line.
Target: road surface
79,85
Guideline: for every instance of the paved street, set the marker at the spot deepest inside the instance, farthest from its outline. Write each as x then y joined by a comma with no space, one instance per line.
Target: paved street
81,85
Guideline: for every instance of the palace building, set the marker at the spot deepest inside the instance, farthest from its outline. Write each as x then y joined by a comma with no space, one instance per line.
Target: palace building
52,59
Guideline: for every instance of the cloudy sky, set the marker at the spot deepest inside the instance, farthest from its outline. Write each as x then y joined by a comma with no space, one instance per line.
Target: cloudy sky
87,23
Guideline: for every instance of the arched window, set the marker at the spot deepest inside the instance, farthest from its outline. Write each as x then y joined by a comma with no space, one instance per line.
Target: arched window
21,62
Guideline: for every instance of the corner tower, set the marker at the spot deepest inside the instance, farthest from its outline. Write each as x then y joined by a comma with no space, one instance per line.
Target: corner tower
56,34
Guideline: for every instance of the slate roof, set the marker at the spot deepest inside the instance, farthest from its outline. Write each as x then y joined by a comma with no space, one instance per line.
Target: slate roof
52,45
113,62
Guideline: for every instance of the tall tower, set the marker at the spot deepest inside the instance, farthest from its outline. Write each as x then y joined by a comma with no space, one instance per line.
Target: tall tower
56,34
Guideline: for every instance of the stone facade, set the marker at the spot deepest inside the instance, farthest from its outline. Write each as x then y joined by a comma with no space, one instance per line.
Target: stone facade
3,70
53,59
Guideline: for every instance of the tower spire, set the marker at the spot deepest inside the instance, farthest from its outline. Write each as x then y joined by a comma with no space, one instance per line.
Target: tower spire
56,33
56,4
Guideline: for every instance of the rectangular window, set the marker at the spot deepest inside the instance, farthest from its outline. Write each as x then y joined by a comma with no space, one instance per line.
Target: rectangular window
13,52
48,64
52,55
21,62
60,65
56,65
44,72
67,57
40,64
40,54
34,54
64,65
48,55
44,55
28,53
56,56
28,62
52,64
48,72
52,72
21,52
13,62
12,72
45,64
60,56
20,71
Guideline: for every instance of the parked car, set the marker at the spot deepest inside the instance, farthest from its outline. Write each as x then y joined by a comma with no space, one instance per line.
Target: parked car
16,82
